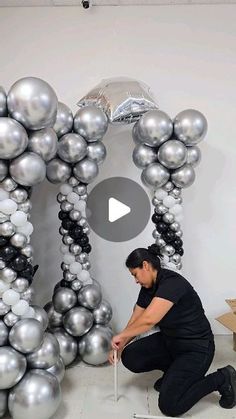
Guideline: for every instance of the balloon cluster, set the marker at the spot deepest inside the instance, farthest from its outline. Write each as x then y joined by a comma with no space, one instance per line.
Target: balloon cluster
167,153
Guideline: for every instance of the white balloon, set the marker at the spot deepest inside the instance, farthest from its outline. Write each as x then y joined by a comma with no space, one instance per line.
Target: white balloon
80,205
8,206
3,286
3,194
75,268
73,198
160,194
176,209
10,297
179,217
65,189
19,218
64,249
20,308
68,258
84,276
27,229
169,201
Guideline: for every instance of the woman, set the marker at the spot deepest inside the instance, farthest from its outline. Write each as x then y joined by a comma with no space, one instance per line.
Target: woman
184,347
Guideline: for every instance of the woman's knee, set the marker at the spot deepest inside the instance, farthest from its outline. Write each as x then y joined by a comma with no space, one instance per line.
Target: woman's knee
129,360
167,407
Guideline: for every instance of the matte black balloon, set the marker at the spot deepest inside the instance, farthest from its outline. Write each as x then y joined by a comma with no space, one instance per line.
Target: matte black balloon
19,263
3,241
87,248
76,232
28,272
169,236
177,243
156,218
161,227
83,240
68,224
8,253
62,215
64,283
180,251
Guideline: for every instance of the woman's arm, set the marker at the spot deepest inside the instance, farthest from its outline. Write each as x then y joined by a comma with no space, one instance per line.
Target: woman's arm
137,312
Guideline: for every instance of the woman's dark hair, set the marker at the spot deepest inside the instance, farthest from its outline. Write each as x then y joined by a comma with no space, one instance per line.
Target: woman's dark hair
151,255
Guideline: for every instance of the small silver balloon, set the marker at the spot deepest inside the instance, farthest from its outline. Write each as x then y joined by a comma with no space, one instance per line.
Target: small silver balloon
3,104
155,127
73,181
61,198
3,402
8,184
96,151
75,249
94,347
64,120
84,197
160,242
58,171
13,138
4,308
20,284
3,168
179,233
2,264
72,148
37,396
176,258
46,355
80,189
28,295
19,240
26,335
28,169
155,175
156,201
68,276
66,206
10,319
68,346
156,234
41,315
91,123
172,154
161,209
193,155
176,192
7,229
190,126
58,369
12,367
3,333
168,218
4,217
168,186
27,251
136,135
44,143
82,257
33,103
167,250
184,176
64,299
78,321
86,170
76,285
143,156
86,230
75,215
67,240
103,313
54,318
90,296
175,226
86,266
8,275
25,206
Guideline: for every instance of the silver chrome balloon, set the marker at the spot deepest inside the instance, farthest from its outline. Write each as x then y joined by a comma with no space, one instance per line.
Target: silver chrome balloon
167,250
193,155
97,151
80,189
155,175
61,198
76,285
67,240
33,103
90,296
156,201
64,299
72,148
2,264
82,257
78,321
58,369
69,277
12,367
7,229
176,258
54,318
75,215
86,170
161,209
190,126
168,186
44,143
68,346
179,233
176,192
3,104
184,176
41,315
103,313
46,355
64,120
73,181
156,234
94,347
19,240
8,184
8,275
75,249
20,284
155,127
4,308
25,206
28,295
3,402
3,171
168,218
37,396
136,135
175,226
58,171
143,155
3,333
66,206
91,123
172,154
13,138
160,242
10,319
27,251
28,169
26,335
4,217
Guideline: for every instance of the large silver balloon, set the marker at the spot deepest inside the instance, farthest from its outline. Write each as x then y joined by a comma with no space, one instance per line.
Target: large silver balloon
58,171
37,396
184,176
41,315
3,333
90,122
46,355
135,134
155,175
3,102
68,346
64,299
95,345
26,335
86,170
13,138
90,296
190,126
193,155
3,170
58,369
33,103
54,318
64,120
172,154
72,148
44,143
12,367
103,313
154,128
143,155
96,151
3,402
78,321
28,169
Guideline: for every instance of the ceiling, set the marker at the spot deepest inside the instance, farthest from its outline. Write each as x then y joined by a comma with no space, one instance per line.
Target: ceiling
32,3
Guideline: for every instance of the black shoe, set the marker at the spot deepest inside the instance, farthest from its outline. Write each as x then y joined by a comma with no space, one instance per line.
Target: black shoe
228,389
158,383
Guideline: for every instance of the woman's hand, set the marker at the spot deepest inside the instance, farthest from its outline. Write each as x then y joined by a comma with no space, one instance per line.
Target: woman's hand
118,342
111,357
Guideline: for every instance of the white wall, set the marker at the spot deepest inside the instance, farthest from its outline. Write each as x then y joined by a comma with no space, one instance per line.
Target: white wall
187,55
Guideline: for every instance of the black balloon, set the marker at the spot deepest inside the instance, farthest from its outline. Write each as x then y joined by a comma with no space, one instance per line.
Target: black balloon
64,283
156,218
161,227
76,232
3,241
19,263
68,224
62,215
87,248
83,240
169,236
28,272
8,253
177,243
180,251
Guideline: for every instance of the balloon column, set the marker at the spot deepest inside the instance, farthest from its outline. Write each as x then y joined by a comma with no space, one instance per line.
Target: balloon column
167,153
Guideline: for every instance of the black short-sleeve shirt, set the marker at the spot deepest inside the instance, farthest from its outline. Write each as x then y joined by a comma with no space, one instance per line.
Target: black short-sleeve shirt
186,319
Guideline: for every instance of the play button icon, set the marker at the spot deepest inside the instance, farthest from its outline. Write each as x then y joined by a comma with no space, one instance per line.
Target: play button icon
118,209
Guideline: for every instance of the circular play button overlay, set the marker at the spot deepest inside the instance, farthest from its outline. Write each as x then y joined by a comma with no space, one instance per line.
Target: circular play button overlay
118,209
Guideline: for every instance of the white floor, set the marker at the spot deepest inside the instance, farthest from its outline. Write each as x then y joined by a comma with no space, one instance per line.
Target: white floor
88,392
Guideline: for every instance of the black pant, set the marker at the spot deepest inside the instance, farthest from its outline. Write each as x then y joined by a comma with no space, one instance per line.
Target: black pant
184,362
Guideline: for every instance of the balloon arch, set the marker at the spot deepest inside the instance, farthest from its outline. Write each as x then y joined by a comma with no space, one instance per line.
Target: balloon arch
40,137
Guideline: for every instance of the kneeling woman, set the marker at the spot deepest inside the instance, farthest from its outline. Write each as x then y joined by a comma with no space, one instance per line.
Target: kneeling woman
183,349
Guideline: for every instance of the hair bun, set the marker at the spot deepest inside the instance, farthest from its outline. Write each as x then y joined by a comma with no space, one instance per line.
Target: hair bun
154,249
